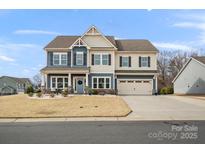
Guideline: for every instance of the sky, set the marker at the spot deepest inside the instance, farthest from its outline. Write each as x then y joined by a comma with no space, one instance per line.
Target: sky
24,33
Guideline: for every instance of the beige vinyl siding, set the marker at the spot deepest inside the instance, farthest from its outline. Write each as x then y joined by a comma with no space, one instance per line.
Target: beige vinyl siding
102,68
135,61
96,41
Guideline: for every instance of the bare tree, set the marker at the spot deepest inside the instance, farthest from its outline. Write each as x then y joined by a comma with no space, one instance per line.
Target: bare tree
37,80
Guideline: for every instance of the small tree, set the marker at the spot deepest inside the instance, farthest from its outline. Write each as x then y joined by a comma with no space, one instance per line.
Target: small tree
29,89
37,80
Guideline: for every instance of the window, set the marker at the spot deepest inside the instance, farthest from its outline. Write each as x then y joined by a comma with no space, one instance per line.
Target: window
130,81
60,59
144,61
63,59
94,82
96,59
138,81
105,59
107,84
65,82
125,61
53,83
146,81
59,82
79,58
56,59
101,82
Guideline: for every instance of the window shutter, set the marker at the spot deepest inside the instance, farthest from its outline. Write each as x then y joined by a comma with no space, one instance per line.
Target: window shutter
130,61
74,58
109,59
139,61
85,58
69,58
51,58
92,59
148,61
120,61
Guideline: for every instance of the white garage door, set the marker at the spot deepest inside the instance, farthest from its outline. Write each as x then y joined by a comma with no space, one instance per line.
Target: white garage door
134,87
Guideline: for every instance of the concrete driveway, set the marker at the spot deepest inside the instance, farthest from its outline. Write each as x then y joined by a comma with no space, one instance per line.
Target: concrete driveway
166,107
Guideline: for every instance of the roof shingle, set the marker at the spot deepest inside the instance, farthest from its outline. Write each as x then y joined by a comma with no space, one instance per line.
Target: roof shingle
122,45
200,59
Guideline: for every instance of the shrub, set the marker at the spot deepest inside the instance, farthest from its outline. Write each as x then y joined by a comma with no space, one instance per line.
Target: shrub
94,91
29,89
103,91
58,91
65,93
166,90
52,94
37,90
39,94
30,94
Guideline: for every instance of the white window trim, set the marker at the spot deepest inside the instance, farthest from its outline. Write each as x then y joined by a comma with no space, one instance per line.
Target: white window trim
101,59
141,62
60,59
104,82
94,59
80,53
127,61
56,84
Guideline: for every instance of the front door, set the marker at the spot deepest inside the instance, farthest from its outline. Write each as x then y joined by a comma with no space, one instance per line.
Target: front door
80,85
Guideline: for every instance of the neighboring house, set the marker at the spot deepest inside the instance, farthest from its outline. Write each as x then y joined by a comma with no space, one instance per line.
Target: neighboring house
191,78
100,62
12,85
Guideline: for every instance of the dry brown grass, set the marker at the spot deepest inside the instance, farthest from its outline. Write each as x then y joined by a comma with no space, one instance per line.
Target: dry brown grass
72,106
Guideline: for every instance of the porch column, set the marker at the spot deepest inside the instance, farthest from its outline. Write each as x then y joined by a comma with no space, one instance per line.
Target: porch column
156,82
69,80
42,80
86,84
46,80
88,58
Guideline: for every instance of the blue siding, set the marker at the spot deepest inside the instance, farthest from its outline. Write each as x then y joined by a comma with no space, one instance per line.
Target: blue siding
100,74
82,49
50,59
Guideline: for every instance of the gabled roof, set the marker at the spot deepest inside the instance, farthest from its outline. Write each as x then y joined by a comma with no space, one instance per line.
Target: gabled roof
121,45
67,41
64,42
135,45
18,80
200,60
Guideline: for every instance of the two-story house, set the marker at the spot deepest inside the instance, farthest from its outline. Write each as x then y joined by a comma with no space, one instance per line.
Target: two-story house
99,61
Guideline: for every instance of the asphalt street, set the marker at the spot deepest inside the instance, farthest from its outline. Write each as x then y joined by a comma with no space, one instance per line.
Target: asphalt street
107,132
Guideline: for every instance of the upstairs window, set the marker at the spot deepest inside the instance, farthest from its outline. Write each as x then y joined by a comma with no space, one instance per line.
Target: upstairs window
125,62
96,59
105,59
60,59
79,58
144,61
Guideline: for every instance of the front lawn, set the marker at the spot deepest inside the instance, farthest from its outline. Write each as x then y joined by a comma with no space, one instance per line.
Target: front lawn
21,105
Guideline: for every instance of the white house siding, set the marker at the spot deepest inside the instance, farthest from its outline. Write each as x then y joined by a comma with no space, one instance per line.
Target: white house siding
191,80
135,61
102,68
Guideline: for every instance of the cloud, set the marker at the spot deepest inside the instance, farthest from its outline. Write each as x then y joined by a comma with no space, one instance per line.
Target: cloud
194,25
32,31
6,58
173,46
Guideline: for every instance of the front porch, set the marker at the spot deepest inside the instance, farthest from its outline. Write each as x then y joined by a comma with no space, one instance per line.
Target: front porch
73,82
72,79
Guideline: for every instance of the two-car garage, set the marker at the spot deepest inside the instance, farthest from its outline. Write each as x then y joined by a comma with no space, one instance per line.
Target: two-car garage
134,86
